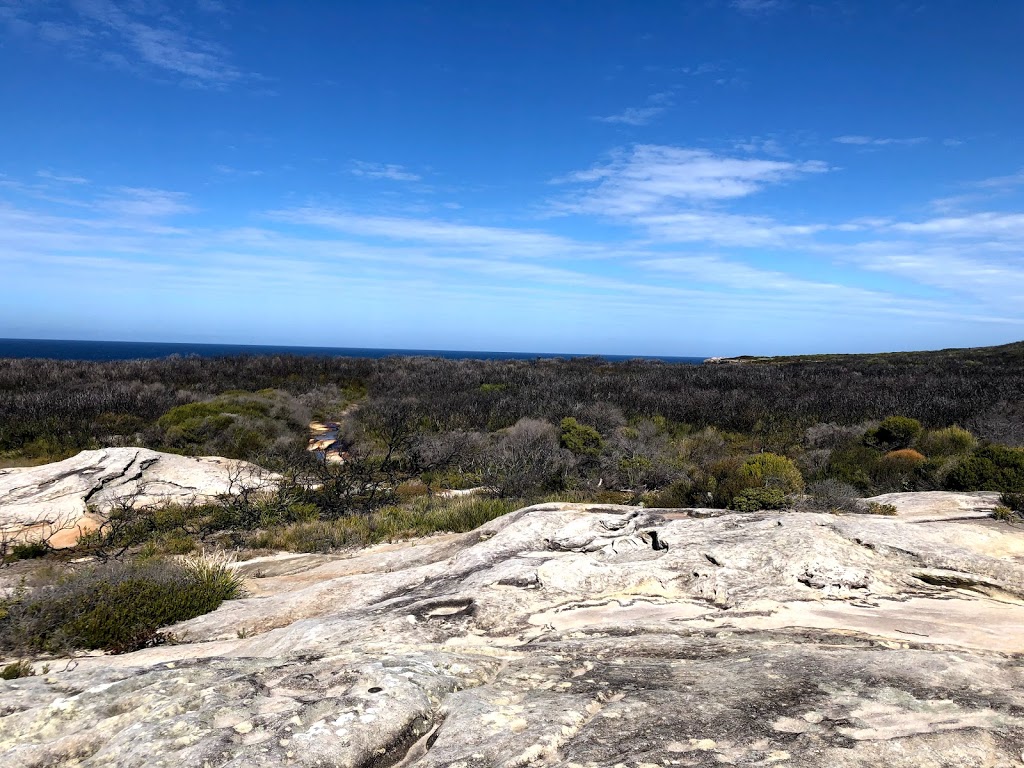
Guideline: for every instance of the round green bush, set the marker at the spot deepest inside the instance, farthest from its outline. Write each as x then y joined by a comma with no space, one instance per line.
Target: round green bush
756,499
769,470
894,432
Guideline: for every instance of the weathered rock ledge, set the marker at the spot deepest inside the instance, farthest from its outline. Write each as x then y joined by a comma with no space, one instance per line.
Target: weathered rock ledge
559,635
55,499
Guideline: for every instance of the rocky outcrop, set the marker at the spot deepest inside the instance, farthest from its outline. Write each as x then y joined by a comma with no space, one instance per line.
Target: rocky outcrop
574,635
56,500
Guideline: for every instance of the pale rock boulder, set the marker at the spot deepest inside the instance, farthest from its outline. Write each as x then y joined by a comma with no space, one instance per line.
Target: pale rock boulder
36,501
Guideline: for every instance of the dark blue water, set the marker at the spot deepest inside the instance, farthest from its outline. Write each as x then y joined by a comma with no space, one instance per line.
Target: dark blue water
145,350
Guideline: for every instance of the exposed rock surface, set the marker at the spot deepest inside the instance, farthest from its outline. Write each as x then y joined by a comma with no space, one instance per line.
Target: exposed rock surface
38,500
930,506
559,635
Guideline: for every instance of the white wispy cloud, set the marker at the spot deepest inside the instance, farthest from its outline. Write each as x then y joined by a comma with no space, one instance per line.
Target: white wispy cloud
987,275
724,229
943,269
1001,182
390,171
61,178
228,170
144,203
738,275
498,241
873,141
988,224
140,37
632,116
760,145
649,178
657,103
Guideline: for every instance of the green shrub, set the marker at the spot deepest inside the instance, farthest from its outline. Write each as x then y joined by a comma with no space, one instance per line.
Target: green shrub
677,494
315,536
855,465
581,439
874,508
989,468
176,543
756,499
116,606
951,441
29,550
1004,514
1013,501
769,470
893,433
13,671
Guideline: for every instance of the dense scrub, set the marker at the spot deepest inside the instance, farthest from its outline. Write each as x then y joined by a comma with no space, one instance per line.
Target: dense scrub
52,408
745,435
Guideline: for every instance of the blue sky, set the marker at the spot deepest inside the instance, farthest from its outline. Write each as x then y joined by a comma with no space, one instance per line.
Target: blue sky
677,178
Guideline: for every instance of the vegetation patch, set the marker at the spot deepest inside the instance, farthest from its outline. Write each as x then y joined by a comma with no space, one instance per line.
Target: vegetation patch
117,606
422,517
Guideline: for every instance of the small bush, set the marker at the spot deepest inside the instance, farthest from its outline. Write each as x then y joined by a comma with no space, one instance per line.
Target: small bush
116,606
1013,501
677,494
904,459
951,441
315,536
893,433
411,489
874,508
29,550
1004,514
831,495
580,439
13,671
756,499
769,470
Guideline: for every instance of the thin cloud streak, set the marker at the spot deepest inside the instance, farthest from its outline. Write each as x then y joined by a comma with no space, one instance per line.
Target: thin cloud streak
389,171
871,141
632,116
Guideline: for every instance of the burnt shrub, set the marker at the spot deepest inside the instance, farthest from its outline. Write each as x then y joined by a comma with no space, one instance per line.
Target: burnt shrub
830,495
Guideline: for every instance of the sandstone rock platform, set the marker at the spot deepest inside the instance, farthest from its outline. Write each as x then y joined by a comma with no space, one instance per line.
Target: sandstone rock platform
563,635
55,499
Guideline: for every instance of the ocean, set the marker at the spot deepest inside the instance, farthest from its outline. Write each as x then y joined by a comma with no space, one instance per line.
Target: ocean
56,349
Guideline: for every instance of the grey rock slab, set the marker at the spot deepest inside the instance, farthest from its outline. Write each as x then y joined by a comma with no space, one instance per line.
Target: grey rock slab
928,506
558,635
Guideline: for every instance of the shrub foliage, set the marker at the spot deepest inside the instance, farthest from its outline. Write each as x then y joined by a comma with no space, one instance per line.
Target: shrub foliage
117,606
